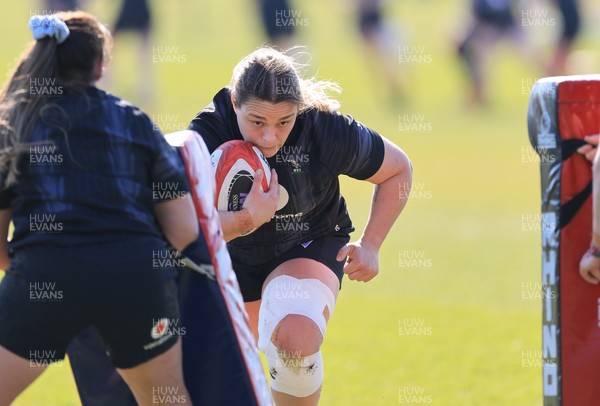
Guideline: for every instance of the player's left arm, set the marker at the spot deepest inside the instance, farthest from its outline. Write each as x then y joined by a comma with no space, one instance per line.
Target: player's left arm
392,181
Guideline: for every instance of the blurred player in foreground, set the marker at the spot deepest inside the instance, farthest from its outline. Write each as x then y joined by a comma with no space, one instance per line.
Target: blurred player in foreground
78,167
290,269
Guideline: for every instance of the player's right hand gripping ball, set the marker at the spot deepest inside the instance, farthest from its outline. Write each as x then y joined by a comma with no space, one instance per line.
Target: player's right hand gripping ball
234,164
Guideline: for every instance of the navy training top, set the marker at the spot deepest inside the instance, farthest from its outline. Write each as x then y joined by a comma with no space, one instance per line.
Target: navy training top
92,173
320,147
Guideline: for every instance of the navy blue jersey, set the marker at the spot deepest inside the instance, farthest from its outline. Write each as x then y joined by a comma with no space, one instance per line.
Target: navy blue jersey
320,147
93,171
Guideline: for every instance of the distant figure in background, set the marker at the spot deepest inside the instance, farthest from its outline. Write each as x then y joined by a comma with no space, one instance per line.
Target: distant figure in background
278,22
135,15
569,10
381,43
61,5
492,20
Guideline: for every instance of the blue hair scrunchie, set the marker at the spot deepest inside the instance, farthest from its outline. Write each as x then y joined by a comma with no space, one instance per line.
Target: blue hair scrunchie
48,26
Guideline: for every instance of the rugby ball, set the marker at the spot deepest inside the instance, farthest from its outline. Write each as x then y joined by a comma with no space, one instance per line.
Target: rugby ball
234,164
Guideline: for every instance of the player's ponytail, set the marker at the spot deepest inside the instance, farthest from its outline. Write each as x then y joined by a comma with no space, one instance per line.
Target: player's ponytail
270,75
68,48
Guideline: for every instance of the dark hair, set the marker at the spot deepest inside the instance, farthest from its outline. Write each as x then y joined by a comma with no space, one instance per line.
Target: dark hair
87,45
270,75
73,62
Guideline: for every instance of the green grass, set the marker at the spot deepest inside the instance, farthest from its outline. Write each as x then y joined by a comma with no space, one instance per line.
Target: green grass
476,182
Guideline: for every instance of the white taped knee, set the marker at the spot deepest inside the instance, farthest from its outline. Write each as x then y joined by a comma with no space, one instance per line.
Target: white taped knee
287,295
296,376
284,295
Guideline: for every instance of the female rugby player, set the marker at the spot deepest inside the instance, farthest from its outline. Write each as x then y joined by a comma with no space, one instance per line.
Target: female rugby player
290,269
78,168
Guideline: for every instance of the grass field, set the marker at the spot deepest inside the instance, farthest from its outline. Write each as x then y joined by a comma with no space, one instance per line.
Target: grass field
454,317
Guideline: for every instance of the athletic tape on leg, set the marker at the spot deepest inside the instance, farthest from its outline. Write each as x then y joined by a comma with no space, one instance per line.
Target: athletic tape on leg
296,376
284,295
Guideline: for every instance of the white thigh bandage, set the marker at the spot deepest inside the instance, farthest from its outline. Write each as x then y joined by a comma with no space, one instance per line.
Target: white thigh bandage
291,374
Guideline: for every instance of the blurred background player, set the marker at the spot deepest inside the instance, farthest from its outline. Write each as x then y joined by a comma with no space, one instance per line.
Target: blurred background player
381,45
380,38
491,21
290,269
276,17
61,5
135,16
571,22
78,167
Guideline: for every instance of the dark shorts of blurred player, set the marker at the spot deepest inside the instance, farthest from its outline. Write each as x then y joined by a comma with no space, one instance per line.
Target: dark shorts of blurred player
135,15
369,18
61,5
569,9
571,25
494,13
273,13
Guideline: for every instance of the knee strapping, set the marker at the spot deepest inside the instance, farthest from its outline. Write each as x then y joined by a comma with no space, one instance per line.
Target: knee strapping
291,373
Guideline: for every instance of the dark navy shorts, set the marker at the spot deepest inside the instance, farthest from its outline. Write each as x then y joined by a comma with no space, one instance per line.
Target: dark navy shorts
369,21
569,9
134,15
323,250
494,13
51,293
